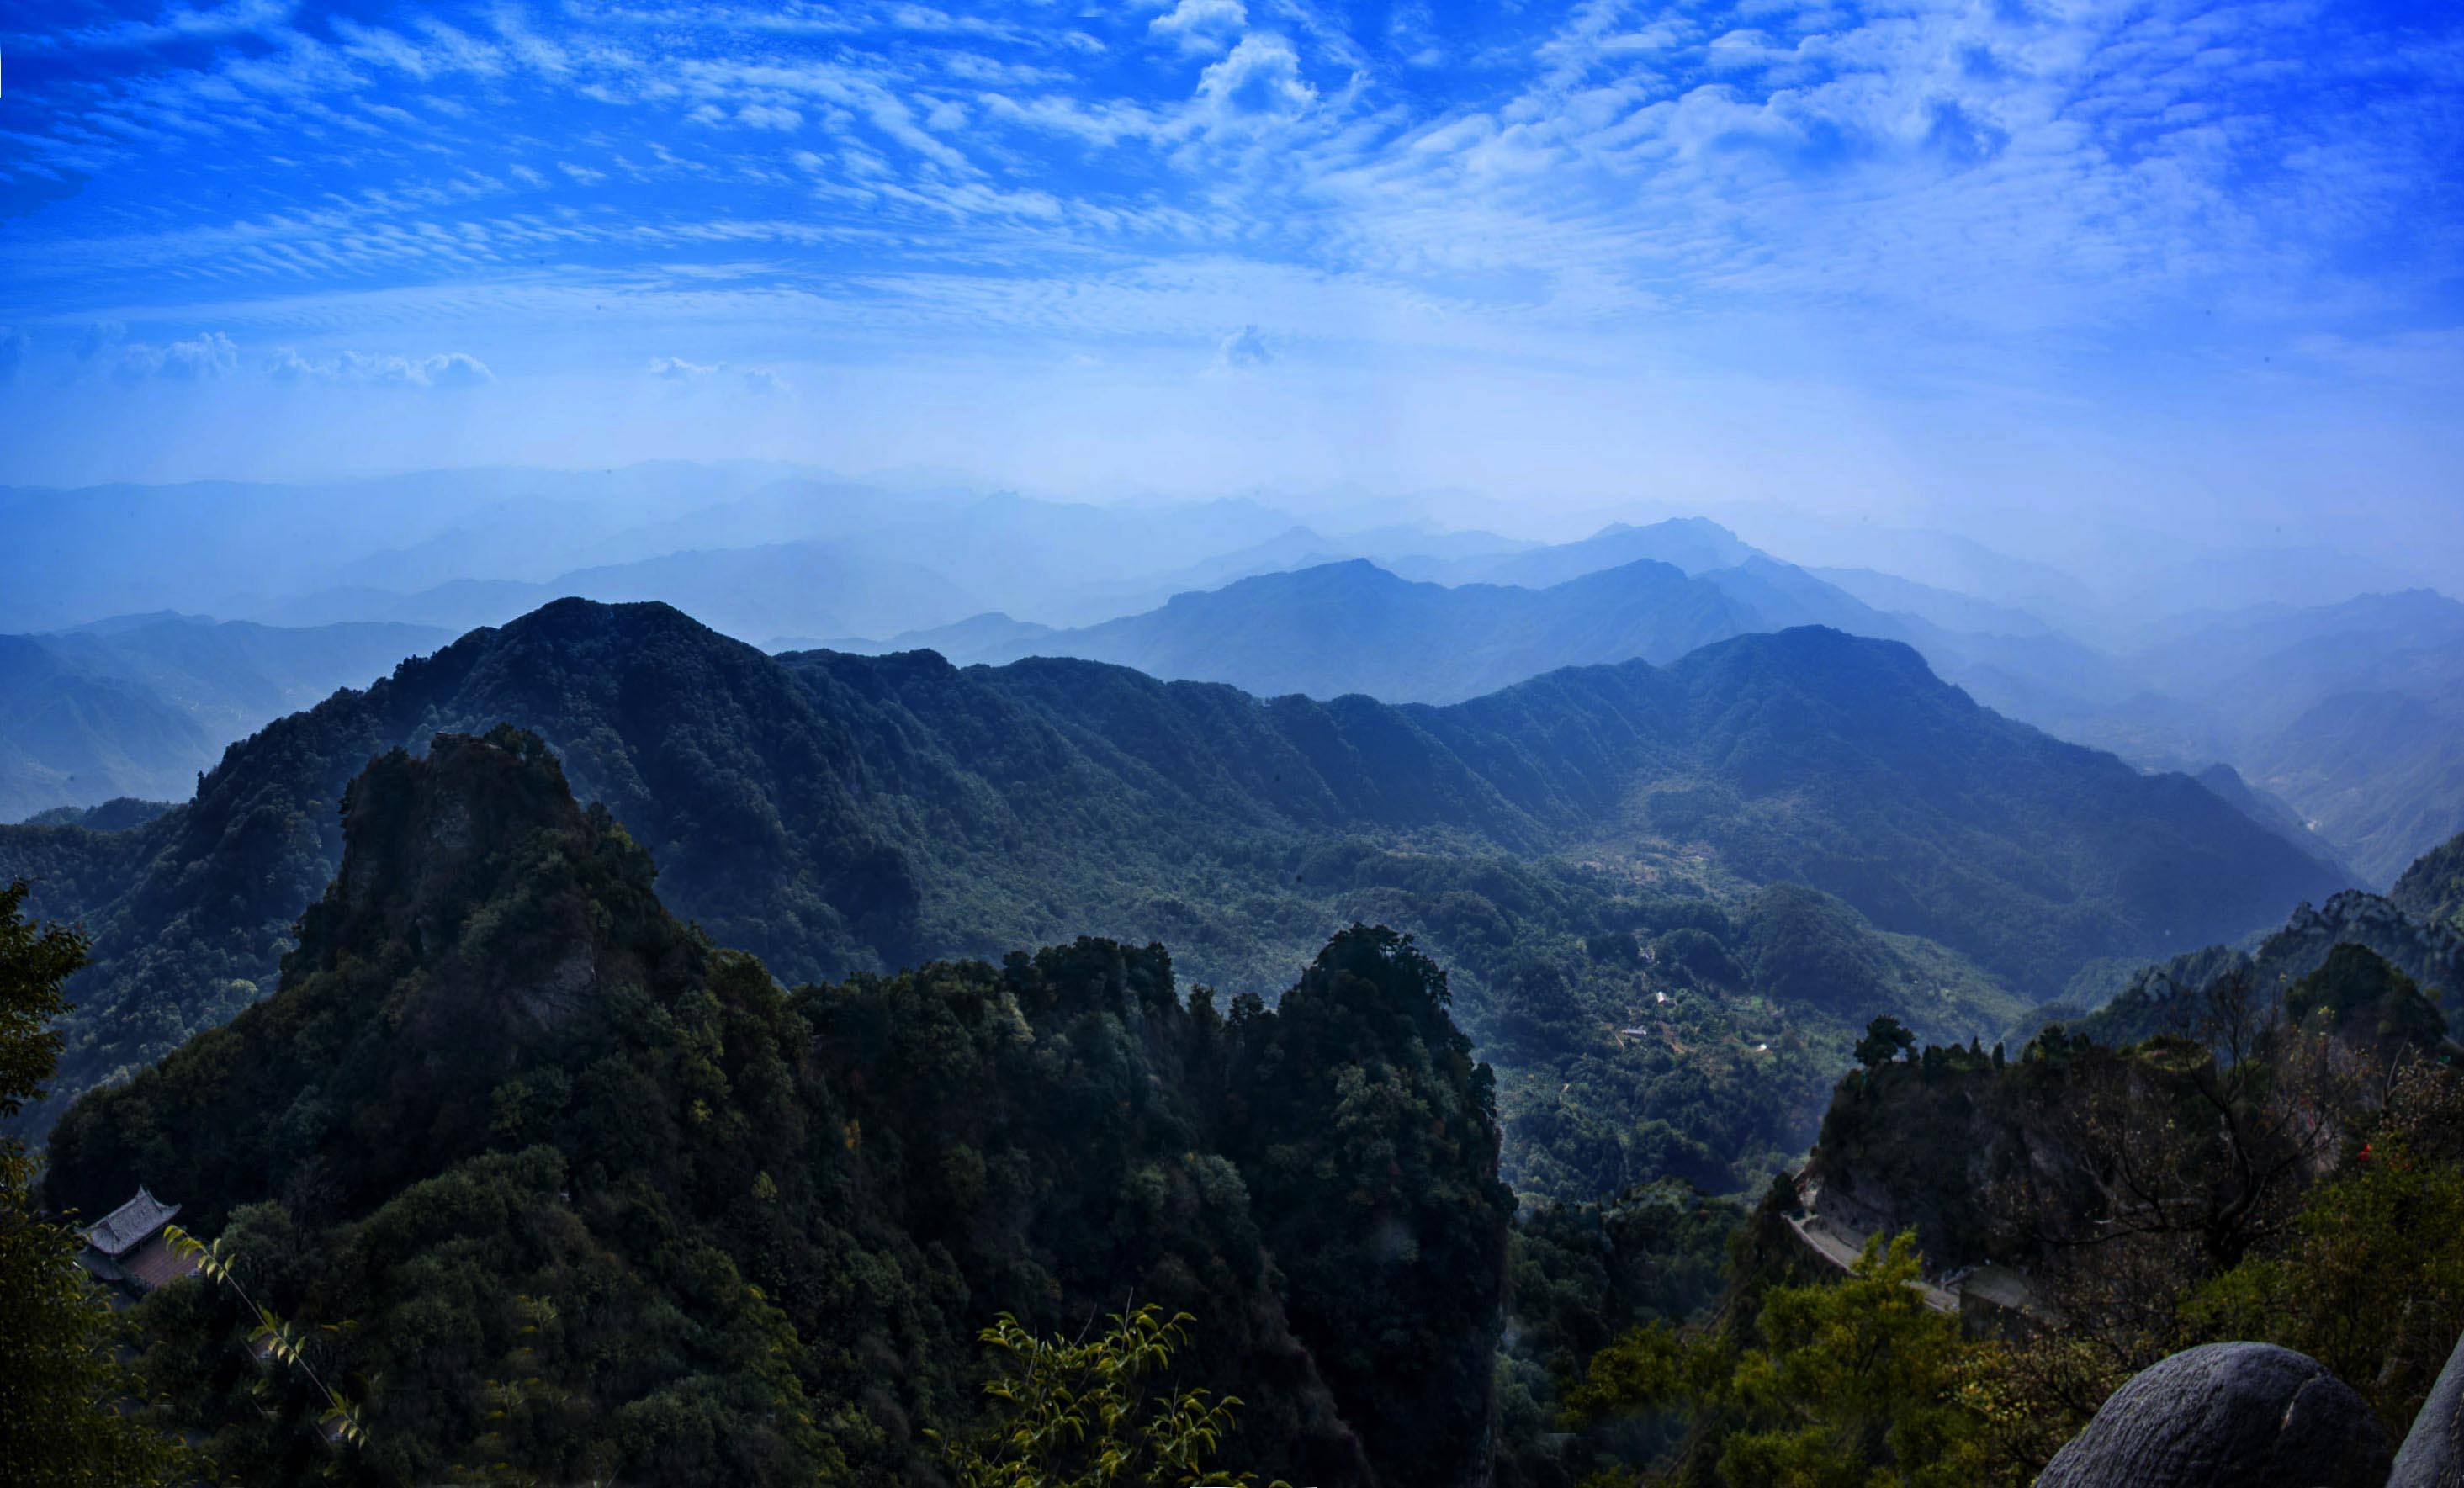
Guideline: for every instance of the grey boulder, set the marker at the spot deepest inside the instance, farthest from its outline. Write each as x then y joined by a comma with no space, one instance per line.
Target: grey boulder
2434,1451
2228,1415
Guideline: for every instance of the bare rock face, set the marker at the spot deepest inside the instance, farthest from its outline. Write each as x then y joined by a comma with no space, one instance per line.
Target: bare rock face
2228,1415
2433,1450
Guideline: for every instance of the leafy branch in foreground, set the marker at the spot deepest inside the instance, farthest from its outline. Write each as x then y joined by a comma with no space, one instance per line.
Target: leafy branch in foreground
1073,1414
276,1336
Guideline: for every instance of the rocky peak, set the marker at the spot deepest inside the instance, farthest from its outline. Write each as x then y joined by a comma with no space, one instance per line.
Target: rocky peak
476,863
2161,997
482,927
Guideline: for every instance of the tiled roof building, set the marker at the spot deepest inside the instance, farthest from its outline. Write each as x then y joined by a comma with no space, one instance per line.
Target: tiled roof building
128,1247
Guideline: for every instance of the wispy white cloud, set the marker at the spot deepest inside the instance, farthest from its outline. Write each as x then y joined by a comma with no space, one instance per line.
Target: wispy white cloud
178,23
758,381
1258,82
1203,26
203,357
1245,347
451,369
2070,192
770,116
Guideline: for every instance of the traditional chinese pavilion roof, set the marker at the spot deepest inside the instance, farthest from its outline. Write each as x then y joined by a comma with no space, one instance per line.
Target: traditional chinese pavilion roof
131,1224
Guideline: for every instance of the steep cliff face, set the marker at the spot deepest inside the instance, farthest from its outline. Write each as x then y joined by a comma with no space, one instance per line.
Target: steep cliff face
1984,1162
481,923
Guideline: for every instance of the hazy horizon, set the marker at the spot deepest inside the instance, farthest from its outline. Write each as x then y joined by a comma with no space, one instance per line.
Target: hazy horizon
2075,279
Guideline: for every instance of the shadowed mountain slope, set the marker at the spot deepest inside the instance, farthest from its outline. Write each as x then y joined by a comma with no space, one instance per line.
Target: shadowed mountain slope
833,813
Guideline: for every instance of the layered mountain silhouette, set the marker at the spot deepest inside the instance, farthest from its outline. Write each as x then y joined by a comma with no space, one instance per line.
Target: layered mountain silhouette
1353,627
769,589
1693,545
2341,710
139,706
833,813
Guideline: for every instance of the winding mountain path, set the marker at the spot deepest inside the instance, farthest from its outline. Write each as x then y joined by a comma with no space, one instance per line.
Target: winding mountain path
1840,1250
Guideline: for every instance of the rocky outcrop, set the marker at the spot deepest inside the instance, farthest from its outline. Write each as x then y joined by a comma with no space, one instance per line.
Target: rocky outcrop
2432,890
1990,1165
2229,1415
2170,998
2434,1451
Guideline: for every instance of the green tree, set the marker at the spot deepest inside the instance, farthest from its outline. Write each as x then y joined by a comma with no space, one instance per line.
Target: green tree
1848,1384
63,1417
1082,1415
1885,1039
2370,1282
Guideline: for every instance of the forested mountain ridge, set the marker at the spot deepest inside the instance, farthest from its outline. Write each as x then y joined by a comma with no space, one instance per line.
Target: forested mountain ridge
2417,929
2341,710
2427,949
833,813
2247,1154
508,1121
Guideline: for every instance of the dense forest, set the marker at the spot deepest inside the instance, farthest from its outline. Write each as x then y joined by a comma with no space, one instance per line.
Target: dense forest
1595,855
516,1177
590,1196
2281,1162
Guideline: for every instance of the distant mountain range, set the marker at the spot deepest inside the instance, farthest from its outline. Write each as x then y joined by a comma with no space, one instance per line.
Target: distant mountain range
2343,712
1353,627
2338,723
2354,711
1692,544
835,812
458,548
768,590
140,704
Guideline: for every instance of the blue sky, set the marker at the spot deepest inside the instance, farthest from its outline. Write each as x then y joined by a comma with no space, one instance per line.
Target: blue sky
2159,262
